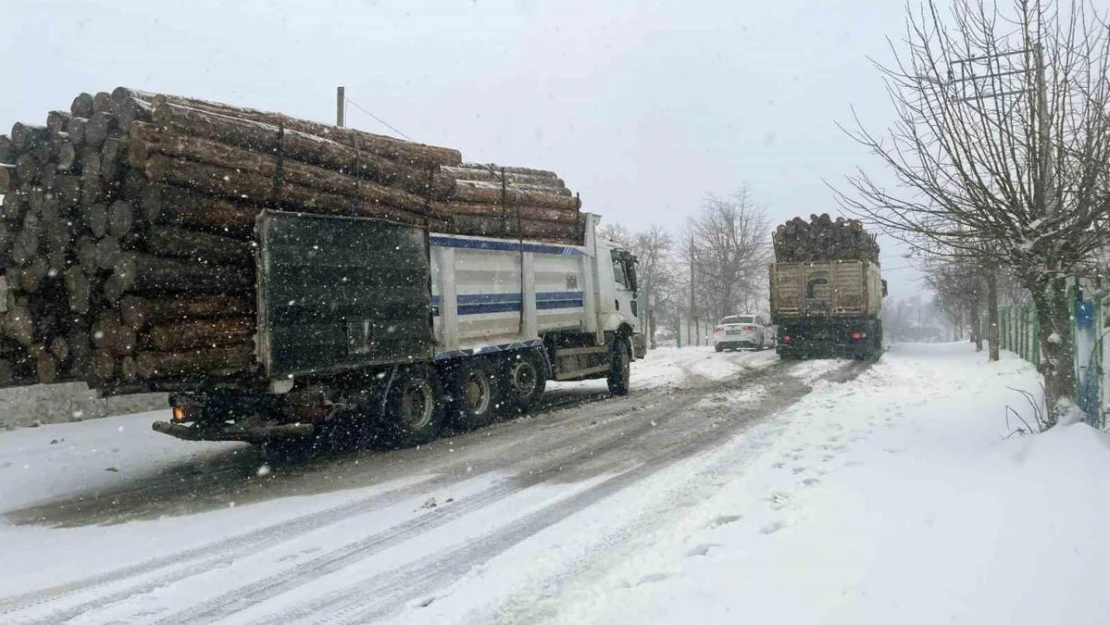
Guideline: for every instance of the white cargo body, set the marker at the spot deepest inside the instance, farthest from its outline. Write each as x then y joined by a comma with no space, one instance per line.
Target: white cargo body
495,294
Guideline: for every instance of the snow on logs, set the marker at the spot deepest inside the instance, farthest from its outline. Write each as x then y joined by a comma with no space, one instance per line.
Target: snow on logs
127,224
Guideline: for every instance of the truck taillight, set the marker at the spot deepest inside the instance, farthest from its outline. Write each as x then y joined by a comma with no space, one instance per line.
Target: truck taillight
786,338
859,335
185,414
717,328
750,328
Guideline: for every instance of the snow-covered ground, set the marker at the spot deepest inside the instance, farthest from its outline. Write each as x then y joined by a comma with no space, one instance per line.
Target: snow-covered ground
892,497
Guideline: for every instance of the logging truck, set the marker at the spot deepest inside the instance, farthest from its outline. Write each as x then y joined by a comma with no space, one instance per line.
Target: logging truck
373,328
826,290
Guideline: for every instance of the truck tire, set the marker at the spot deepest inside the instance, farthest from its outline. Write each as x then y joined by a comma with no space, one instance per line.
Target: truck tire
620,367
414,412
523,381
475,394
719,348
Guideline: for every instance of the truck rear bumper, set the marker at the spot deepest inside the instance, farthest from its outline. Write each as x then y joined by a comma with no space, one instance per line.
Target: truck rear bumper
254,434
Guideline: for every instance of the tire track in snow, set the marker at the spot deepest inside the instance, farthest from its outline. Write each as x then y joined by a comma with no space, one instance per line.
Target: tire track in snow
384,594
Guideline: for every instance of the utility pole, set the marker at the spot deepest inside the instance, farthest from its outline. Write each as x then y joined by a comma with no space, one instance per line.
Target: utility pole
693,309
340,105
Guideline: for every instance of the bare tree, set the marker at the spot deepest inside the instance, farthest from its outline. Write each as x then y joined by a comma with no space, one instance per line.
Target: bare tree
730,252
654,270
1000,149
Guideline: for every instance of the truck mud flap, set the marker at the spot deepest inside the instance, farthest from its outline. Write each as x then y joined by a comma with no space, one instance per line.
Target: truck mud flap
256,434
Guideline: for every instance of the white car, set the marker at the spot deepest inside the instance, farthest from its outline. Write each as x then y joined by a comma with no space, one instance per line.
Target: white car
752,331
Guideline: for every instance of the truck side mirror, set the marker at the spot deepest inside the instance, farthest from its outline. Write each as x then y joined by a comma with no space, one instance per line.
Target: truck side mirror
884,288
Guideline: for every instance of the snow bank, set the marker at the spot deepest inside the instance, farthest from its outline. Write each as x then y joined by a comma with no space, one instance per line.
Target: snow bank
893,499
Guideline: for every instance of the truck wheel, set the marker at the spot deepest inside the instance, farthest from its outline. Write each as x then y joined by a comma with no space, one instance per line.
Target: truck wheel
719,348
523,382
620,368
414,412
475,394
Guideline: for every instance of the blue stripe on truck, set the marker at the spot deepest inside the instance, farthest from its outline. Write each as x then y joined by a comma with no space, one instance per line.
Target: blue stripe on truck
487,303
505,246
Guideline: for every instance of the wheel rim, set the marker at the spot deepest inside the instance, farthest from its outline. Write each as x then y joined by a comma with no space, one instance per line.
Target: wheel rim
417,404
476,393
525,378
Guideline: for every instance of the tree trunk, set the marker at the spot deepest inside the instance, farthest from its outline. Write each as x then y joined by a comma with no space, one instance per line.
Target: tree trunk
181,243
139,312
992,315
142,272
163,204
415,154
256,172
240,184
976,335
298,146
206,361
1054,331
182,335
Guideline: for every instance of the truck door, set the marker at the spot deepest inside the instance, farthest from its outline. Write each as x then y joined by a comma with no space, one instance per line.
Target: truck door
624,286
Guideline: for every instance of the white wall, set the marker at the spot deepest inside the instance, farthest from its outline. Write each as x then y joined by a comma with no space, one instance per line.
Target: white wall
40,404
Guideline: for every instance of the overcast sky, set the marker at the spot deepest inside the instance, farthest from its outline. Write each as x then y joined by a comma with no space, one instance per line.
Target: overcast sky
642,107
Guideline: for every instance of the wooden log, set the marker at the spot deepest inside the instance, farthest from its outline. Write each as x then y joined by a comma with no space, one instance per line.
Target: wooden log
47,176
7,179
28,167
58,122
102,103
32,276
112,336
46,367
571,234
86,256
128,370
99,127
102,368
67,188
112,158
96,220
14,206
169,364
201,246
19,325
26,138
82,105
78,290
65,155
121,216
162,204
131,110
262,169
530,213
138,312
182,335
416,154
298,146
91,164
489,193
240,184
492,173
77,127
60,348
108,253
145,273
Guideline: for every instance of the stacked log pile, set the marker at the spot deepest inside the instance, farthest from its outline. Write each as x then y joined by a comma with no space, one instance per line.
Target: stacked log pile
127,227
823,238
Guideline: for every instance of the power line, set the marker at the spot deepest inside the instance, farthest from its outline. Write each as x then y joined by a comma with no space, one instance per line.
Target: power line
378,119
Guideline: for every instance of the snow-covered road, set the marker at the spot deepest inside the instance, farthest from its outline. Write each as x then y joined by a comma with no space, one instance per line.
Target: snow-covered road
724,485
